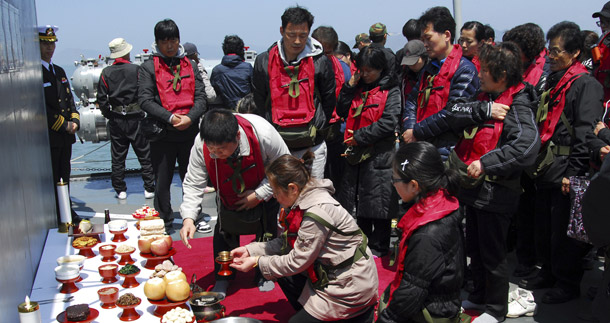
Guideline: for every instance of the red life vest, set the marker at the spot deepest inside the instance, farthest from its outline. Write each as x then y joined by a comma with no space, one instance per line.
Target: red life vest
486,137
434,89
546,127
432,208
367,107
477,64
292,90
291,222
176,87
236,175
534,71
339,81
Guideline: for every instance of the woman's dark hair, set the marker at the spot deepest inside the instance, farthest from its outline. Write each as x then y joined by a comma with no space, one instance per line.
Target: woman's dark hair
411,30
219,126
326,34
503,59
372,57
166,29
589,39
421,161
288,169
343,49
569,33
246,104
233,45
296,16
529,37
441,19
477,27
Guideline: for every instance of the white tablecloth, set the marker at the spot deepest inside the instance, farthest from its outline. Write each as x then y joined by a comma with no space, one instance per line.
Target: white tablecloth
46,287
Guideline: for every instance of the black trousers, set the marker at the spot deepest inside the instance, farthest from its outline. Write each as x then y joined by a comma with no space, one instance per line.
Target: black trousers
561,255
224,241
486,234
378,233
164,154
292,286
526,223
333,169
125,132
60,163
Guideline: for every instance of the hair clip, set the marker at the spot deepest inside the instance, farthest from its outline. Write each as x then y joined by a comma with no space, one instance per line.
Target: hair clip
405,163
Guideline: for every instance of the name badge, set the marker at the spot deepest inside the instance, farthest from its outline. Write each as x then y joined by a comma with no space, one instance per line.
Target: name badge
46,84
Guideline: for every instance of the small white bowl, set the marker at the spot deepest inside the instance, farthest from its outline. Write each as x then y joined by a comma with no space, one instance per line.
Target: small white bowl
117,225
76,260
66,272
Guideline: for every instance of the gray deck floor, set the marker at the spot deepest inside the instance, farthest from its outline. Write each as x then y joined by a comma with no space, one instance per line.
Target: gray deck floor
91,196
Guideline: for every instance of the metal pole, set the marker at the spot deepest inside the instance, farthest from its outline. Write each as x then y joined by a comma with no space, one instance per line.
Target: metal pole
457,15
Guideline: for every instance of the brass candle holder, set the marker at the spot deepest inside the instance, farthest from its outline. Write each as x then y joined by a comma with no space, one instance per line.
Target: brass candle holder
224,259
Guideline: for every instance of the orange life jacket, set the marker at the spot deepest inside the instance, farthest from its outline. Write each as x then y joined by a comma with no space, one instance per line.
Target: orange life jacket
557,101
534,71
292,90
480,140
367,107
291,222
434,89
602,72
476,62
236,175
176,85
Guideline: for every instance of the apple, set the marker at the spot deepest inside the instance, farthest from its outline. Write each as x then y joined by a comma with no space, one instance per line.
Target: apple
159,247
155,288
174,276
167,239
177,290
144,244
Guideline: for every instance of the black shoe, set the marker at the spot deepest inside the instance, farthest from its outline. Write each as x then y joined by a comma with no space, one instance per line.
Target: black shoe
524,270
378,253
536,282
558,295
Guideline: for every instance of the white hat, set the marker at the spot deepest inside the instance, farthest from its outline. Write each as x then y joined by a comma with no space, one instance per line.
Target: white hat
119,48
47,33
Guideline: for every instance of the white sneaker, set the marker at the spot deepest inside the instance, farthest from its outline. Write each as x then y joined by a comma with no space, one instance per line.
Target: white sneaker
209,189
523,304
487,318
148,195
122,196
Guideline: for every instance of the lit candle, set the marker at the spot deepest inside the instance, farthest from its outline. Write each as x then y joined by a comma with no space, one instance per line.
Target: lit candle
63,199
29,312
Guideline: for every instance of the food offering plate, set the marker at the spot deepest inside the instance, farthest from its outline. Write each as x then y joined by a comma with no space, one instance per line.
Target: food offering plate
165,305
86,251
193,321
152,260
129,311
119,236
93,314
125,257
130,280
68,285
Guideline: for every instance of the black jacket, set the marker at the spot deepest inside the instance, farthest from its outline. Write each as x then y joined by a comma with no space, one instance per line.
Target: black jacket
369,183
150,102
232,79
324,82
583,108
118,87
433,272
60,106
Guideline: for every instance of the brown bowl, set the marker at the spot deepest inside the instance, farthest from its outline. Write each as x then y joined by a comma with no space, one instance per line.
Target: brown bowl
108,273
107,252
108,296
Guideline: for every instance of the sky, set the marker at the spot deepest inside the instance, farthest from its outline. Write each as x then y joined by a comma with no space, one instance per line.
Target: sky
86,27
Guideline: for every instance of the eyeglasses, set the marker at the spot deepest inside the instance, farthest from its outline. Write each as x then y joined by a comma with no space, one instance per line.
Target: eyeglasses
602,22
554,52
399,180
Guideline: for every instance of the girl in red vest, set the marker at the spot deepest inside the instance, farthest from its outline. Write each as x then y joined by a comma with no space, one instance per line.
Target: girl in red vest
430,257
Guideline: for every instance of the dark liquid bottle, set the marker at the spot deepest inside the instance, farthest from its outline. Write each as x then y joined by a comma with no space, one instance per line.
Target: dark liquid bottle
106,216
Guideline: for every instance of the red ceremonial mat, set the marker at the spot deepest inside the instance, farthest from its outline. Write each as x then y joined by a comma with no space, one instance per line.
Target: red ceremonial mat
243,297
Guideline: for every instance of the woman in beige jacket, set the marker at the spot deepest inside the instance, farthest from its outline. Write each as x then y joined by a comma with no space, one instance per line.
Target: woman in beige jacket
321,262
